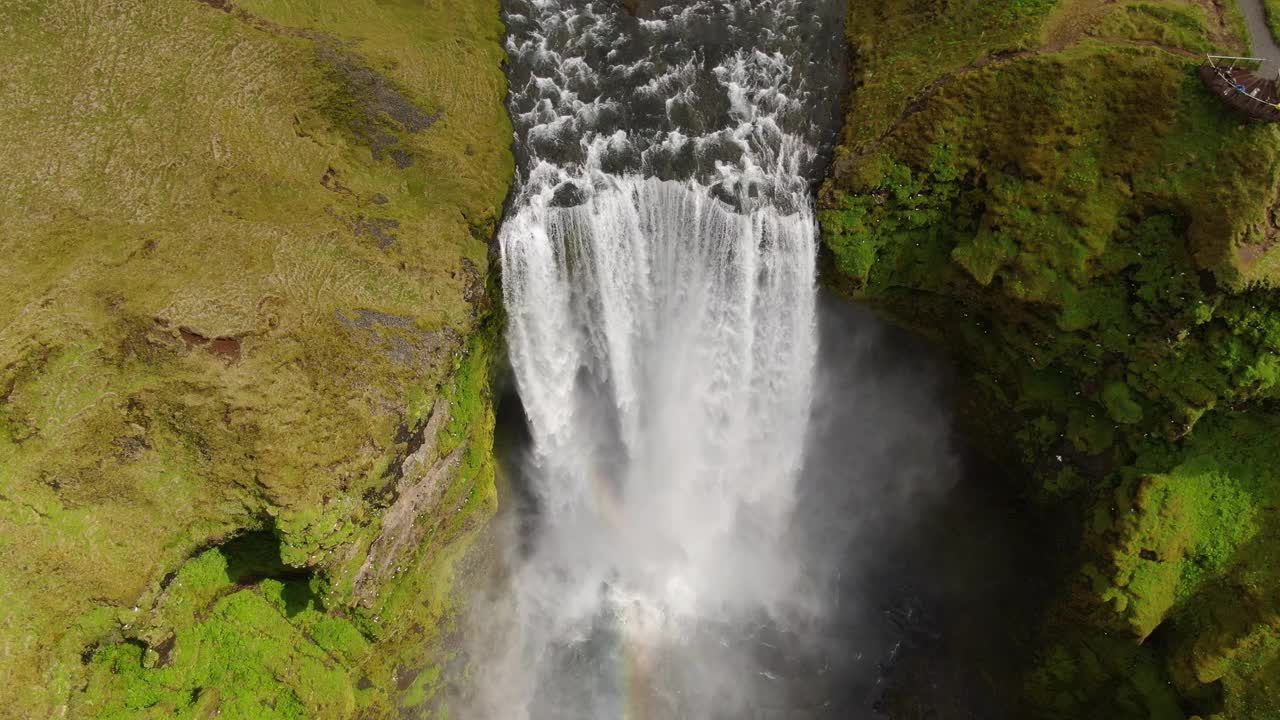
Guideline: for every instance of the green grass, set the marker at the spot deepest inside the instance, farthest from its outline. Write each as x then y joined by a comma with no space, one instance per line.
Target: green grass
241,636
175,169
241,630
1239,28
1171,24
1084,228
902,45
1091,213
1273,15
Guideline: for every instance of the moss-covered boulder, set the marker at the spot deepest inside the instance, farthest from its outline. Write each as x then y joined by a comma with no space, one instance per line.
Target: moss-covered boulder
1046,189
245,430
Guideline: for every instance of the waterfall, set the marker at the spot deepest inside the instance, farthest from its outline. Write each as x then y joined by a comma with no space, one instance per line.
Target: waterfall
658,275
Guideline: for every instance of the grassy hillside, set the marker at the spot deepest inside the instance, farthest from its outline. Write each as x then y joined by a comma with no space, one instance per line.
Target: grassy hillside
1046,189
240,348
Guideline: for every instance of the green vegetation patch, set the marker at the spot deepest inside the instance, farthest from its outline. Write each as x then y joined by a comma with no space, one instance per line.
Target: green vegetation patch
1272,8
245,247
249,638
1078,226
1167,24
901,46
1090,233
239,631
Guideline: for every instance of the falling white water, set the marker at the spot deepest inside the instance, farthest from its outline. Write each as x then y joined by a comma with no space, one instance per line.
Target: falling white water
658,273
664,349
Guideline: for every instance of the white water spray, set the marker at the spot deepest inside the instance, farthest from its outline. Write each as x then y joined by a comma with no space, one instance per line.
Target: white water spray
664,349
662,334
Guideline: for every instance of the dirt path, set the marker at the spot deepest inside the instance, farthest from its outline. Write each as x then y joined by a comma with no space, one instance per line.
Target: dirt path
1264,43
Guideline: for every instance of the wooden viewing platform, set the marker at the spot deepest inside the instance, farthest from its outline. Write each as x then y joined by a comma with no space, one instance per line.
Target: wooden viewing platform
1242,88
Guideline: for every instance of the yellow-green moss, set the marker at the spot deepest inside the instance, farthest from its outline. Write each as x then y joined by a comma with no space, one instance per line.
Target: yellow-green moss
242,630
221,310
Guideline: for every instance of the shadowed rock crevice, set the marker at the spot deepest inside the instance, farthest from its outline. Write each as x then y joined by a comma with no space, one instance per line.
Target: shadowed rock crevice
420,480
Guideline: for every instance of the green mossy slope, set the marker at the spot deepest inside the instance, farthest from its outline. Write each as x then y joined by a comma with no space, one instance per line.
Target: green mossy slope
1046,189
245,428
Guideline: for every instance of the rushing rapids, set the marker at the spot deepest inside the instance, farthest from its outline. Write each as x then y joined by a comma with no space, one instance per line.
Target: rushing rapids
658,271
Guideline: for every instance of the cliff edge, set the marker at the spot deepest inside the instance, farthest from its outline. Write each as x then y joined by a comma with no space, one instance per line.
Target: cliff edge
245,427
1046,189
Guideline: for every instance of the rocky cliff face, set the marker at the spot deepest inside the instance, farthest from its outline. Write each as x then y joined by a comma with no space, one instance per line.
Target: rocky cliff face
245,430
1046,189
